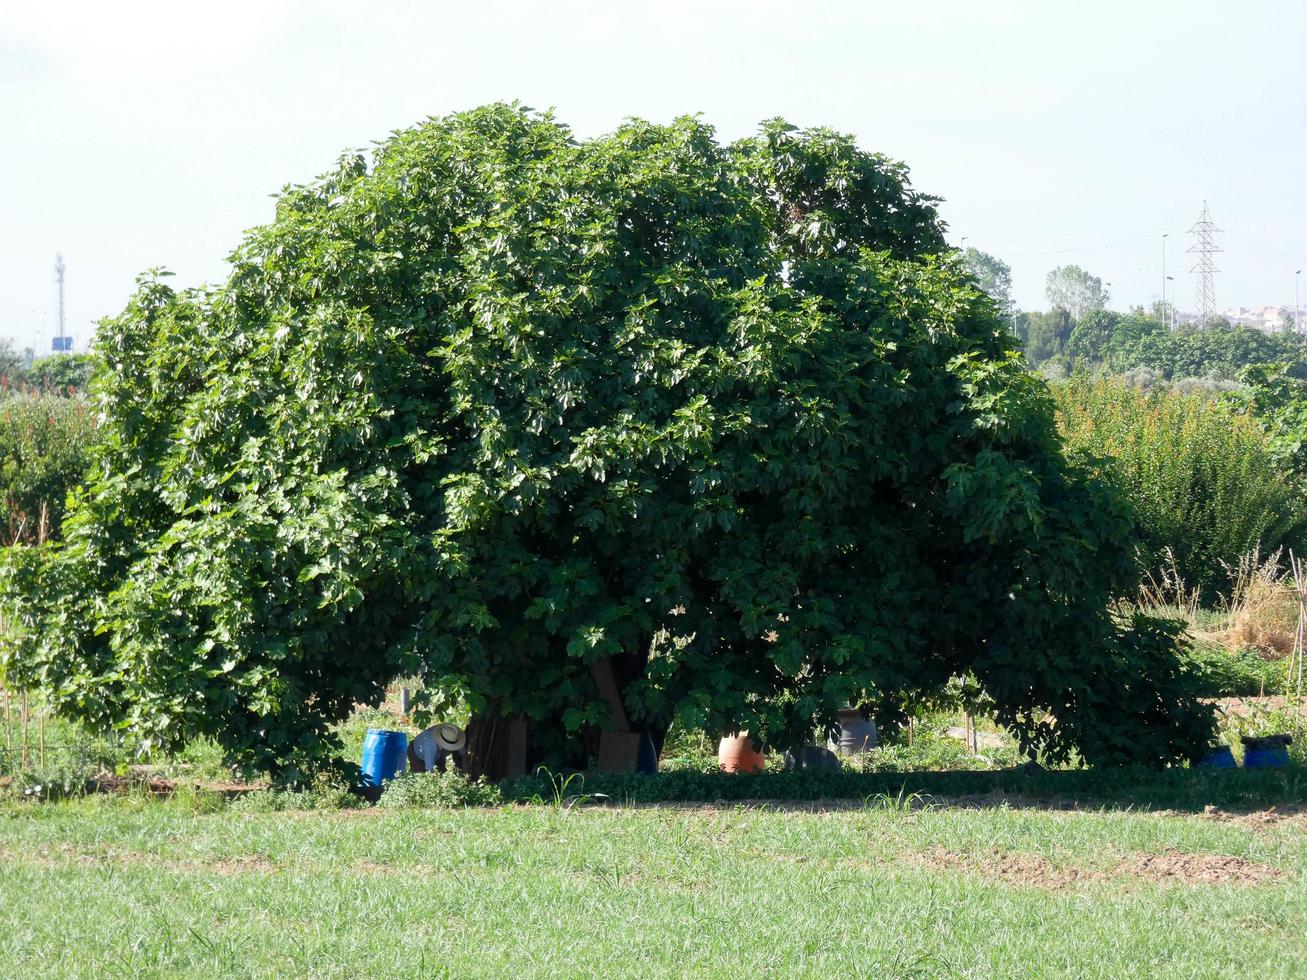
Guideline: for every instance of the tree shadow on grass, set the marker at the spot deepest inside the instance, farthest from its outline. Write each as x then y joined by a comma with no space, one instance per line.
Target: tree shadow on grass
1183,790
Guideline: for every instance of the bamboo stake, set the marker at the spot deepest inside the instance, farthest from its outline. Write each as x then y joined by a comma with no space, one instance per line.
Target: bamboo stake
25,721
9,737
40,727
1302,620
1301,586
1294,670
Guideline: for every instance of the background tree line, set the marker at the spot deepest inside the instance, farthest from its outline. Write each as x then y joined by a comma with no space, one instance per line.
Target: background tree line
1205,429
1079,332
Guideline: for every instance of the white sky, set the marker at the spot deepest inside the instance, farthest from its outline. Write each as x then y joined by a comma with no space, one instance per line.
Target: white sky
139,133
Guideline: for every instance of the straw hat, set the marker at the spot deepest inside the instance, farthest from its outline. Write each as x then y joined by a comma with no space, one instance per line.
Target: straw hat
450,738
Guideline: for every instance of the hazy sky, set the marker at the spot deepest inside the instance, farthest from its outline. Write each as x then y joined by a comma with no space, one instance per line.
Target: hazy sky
138,134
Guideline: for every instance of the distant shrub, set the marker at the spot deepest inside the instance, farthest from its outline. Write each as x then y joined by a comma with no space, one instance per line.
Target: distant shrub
934,751
44,445
1238,673
1217,351
321,796
68,770
437,790
1201,476
58,374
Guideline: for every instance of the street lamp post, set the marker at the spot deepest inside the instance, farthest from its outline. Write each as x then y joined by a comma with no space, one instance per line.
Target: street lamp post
1297,317
1169,311
1165,236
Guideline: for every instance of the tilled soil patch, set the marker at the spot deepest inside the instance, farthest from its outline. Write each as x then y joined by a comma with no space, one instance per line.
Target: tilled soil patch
1170,867
1011,867
1185,868
1270,818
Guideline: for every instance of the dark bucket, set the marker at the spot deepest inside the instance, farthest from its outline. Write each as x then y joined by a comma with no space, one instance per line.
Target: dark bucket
384,756
646,759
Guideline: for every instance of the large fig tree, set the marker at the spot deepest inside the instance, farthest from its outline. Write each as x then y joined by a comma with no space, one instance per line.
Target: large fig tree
498,405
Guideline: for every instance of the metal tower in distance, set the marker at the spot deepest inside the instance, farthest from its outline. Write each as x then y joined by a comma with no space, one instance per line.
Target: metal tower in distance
61,343
1205,246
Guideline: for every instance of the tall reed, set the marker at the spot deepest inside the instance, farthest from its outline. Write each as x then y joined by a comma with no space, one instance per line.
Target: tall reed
1203,482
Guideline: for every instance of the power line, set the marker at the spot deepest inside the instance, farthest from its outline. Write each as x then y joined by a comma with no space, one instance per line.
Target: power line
1283,257
1114,235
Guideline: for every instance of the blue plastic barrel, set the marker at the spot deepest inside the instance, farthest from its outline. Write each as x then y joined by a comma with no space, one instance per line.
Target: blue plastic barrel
1272,758
1220,758
384,756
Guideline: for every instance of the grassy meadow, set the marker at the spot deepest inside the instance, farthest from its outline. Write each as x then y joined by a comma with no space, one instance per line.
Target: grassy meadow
891,886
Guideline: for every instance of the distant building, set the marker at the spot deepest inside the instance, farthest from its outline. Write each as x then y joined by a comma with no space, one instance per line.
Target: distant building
1269,319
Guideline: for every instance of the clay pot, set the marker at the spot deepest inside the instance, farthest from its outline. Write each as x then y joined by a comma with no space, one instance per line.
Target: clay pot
737,754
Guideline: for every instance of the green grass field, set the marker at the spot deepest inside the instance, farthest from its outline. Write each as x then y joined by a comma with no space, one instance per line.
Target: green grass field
137,887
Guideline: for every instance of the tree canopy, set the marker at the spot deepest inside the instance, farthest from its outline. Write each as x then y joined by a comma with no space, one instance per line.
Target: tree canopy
992,275
1071,288
499,405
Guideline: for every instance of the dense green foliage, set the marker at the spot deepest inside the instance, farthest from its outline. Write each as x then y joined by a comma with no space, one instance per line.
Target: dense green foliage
502,405
1203,479
1276,394
57,374
60,374
1044,336
45,446
1196,353
439,790
1238,674
1106,341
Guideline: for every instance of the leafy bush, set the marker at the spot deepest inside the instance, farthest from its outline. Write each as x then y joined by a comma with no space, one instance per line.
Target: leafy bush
1201,477
437,789
1138,341
58,374
506,408
321,794
1223,350
69,770
45,446
1236,674
1276,394
931,751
